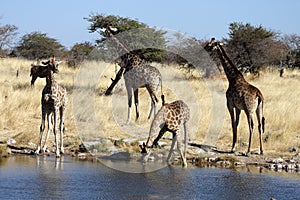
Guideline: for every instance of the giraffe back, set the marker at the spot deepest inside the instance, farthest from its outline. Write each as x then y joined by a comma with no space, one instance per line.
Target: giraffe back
175,114
143,76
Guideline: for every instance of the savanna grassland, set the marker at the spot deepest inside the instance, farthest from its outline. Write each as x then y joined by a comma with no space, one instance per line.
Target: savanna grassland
20,111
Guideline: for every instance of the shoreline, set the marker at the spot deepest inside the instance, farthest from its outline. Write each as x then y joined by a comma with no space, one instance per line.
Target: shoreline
276,162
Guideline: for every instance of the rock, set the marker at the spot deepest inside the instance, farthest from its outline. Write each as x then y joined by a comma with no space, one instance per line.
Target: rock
81,155
223,163
119,156
272,166
213,159
293,149
129,140
279,166
151,158
11,141
290,167
277,160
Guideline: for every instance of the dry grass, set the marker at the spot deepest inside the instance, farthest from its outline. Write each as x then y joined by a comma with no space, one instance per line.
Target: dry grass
20,110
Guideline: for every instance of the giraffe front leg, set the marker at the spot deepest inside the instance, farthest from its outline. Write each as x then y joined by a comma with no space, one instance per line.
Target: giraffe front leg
234,124
49,120
57,153
172,148
42,128
182,154
61,128
129,94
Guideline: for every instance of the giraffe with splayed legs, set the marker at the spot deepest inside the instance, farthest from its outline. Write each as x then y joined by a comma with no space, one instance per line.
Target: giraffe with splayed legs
169,118
240,96
54,102
137,74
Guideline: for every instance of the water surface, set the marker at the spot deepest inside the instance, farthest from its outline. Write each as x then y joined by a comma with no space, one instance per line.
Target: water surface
42,177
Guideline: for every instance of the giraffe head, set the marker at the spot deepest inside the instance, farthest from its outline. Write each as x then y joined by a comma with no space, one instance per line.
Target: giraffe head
42,71
145,152
108,32
211,45
144,148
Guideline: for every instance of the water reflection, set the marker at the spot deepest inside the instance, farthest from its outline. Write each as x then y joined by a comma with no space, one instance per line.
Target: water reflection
24,177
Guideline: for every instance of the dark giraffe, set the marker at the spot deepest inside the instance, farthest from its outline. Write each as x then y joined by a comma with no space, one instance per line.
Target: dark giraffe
240,95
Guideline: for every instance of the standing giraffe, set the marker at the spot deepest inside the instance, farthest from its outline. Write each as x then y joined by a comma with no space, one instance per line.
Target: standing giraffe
169,118
38,71
137,75
240,95
54,101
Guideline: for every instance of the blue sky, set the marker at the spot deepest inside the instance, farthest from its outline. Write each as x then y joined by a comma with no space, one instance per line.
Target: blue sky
63,19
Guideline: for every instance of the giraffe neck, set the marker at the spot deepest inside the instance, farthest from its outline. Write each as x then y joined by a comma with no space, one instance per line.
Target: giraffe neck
129,59
122,49
51,82
231,71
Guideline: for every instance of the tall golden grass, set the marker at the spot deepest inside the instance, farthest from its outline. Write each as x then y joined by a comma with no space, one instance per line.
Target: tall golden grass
20,111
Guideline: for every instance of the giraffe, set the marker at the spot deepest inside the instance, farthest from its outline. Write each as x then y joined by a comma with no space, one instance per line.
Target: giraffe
240,95
137,75
38,71
169,118
54,101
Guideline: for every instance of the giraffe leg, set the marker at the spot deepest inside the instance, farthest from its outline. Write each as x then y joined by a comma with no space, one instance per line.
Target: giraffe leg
61,129
172,147
129,94
186,137
182,154
153,101
136,102
49,118
42,128
161,133
260,119
250,123
55,134
234,126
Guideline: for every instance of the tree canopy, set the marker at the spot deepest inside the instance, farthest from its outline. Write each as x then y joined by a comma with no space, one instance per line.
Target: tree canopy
38,45
134,34
7,34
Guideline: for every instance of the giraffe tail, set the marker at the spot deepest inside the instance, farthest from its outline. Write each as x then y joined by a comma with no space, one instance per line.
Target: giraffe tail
162,94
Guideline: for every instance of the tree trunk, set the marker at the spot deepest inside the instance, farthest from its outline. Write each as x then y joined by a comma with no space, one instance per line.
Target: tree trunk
114,81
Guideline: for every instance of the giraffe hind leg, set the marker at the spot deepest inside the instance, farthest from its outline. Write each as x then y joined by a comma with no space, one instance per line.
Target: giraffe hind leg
250,123
62,129
136,102
261,126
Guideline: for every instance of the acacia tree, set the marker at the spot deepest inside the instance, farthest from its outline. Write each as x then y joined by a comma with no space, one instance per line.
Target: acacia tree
253,47
79,52
38,45
143,37
7,35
